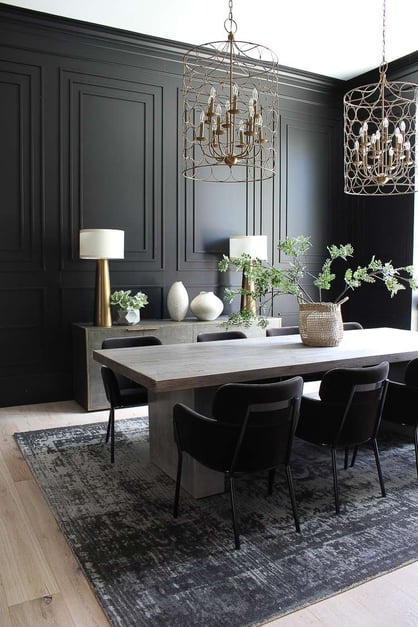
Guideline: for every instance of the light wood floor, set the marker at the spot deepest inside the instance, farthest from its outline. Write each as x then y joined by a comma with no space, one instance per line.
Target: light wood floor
40,581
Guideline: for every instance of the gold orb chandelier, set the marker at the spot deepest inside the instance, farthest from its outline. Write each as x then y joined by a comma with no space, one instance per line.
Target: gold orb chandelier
380,122
231,111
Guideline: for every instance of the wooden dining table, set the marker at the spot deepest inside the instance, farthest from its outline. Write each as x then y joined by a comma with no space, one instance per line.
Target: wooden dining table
191,373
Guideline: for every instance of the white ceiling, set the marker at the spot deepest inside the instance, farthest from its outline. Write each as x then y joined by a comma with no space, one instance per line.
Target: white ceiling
336,38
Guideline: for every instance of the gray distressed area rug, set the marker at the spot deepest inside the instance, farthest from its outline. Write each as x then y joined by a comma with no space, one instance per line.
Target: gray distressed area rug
147,568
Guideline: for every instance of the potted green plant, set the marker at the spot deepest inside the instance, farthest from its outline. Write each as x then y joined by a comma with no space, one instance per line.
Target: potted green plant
128,305
269,282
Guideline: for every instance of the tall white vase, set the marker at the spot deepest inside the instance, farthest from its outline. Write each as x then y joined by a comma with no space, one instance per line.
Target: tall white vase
177,301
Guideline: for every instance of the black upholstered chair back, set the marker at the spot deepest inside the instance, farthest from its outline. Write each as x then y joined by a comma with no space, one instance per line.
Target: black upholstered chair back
352,326
356,397
411,373
281,331
128,342
269,411
220,335
402,398
336,384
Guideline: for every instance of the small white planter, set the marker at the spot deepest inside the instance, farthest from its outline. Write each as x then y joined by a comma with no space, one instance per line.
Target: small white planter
128,316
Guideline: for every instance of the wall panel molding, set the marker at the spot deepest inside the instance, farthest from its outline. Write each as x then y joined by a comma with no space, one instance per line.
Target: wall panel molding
22,336
21,235
111,171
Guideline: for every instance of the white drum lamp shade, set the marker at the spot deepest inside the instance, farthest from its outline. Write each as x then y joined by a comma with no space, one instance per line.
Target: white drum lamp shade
253,245
102,244
256,247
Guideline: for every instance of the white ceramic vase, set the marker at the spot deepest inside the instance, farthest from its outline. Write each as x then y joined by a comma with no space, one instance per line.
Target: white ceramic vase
207,306
177,301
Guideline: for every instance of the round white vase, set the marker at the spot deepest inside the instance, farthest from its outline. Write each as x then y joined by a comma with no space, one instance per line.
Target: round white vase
206,306
177,301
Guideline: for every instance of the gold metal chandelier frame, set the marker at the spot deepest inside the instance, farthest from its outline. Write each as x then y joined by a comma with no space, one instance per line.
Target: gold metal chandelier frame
380,135
231,111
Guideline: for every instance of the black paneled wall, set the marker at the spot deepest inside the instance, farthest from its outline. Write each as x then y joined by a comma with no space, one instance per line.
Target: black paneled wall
90,120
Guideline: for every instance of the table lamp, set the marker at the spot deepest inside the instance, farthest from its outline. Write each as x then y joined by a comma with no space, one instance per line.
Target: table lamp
256,247
102,244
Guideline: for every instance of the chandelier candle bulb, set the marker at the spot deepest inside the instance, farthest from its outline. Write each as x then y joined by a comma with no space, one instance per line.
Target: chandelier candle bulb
407,152
234,109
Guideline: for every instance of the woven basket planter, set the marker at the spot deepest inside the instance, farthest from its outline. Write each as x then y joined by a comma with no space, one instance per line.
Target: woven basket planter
320,324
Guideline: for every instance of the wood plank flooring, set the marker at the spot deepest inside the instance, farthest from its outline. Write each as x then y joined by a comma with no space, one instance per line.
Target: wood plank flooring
42,585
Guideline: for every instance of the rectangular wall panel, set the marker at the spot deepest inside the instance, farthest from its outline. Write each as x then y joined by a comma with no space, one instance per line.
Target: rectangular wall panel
110,129
21,328
20,166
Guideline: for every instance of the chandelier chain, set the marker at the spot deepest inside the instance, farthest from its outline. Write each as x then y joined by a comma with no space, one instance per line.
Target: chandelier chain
232,23
384,34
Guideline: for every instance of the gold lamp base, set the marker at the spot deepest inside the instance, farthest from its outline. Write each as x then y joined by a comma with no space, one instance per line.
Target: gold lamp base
102,315
248,303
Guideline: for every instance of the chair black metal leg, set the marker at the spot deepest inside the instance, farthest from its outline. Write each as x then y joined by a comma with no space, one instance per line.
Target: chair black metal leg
272,474
230,481
109,424
379,469
292,497
178,482
334,474
112,438
353,459
416,448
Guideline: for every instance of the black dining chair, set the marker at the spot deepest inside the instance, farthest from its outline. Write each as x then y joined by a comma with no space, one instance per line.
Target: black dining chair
402,401
251,430
346,415
352,326
120,391
273,332
220,335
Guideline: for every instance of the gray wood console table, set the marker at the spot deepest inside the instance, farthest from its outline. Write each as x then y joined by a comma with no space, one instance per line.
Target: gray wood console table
87,381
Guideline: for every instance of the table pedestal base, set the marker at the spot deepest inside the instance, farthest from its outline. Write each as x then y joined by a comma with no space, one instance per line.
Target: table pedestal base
198,480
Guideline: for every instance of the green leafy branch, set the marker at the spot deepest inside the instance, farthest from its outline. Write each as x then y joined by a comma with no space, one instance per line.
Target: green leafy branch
124,300
269,282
